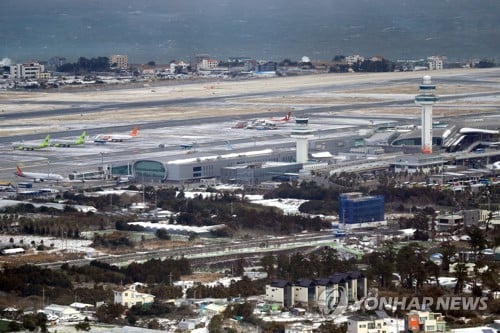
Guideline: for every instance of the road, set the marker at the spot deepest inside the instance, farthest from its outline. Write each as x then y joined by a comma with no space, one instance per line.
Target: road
240,247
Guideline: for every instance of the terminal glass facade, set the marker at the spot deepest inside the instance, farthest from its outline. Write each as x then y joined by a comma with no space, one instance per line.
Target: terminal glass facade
149,170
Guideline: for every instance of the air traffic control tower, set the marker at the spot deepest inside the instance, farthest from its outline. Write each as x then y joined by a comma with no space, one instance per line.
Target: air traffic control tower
426,99
302,134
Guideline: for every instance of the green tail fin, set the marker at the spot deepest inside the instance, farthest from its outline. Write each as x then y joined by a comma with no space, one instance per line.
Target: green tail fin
45,142
81,139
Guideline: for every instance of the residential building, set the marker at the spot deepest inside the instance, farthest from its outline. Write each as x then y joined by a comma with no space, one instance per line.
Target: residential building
207,64
357,285
435,63
32,70
179,67
303,292
324,293
449,221
354,208
359,324
424,321
352,59
279,292
267,67
130,296
119,61
380,324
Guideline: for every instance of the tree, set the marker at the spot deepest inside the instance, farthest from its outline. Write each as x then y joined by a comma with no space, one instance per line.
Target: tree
267,262
410,265
448,251
154,324
461,275
83,326
239,269
243,310
477,241
107,313
215,325
162,234
485,63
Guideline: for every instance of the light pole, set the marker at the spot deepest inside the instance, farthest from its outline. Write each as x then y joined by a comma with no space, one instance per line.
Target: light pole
102,165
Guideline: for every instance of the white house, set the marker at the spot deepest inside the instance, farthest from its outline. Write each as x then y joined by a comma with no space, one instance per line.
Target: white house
130,296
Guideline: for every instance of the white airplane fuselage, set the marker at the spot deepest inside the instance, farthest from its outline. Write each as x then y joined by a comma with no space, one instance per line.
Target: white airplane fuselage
39,176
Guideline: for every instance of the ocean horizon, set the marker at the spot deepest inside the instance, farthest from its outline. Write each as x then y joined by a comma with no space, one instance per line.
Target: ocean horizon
161,31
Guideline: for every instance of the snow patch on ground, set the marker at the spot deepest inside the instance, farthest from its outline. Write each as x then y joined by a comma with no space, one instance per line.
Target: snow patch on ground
288,206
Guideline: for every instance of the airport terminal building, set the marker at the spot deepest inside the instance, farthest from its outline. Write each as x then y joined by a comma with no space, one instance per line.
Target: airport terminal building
194,169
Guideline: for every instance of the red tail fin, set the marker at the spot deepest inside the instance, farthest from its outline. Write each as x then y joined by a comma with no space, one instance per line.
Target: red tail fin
287,117
134,131
19,172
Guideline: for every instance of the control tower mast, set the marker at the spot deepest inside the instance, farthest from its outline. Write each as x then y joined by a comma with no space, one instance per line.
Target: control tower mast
302,133
426,99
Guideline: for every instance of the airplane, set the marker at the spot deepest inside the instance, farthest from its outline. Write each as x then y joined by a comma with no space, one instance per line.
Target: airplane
103,138
286,118
269,123
38,176
241,124
45,143
67,143
186,146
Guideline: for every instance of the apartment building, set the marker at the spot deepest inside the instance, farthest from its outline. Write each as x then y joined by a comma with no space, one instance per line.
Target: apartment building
279,292
435,63
324,293
424,322
32,70
118,60
207,64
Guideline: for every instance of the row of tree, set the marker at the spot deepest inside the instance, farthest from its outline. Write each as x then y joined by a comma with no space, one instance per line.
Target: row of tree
85,66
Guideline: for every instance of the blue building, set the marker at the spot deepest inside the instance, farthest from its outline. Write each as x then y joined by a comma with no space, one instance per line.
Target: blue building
354,208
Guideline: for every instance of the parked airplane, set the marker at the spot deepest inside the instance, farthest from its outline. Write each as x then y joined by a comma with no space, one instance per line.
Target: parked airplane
68,143
269,123
38,176
284,119
241,124
103,138
45,143
186,146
